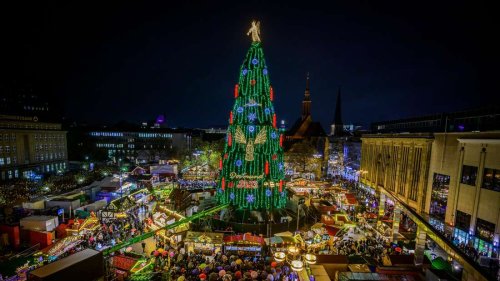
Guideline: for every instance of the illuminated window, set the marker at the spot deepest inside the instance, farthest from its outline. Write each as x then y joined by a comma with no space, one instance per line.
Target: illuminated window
491,179
469,174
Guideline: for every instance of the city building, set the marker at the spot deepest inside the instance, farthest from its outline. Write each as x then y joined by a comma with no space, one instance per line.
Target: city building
398,163
345,146
305,144
478,119
464,187
450,178
337,128
305,128
30,147
127,142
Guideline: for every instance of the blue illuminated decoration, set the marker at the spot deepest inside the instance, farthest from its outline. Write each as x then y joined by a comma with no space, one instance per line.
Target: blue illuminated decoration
251,129
252,117
244,72
250,198
268,192
274,135
280,166
232,196
238,163
267,110
264,71
240,109
255,61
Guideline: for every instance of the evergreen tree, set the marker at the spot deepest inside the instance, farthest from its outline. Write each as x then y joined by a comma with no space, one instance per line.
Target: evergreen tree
252,168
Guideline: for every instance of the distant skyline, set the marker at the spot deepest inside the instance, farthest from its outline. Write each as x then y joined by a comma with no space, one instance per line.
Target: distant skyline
134,61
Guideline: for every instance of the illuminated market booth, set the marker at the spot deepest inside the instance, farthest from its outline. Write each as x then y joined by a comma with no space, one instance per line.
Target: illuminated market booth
206,243
243,244
117,208
305,187
162,217
198,172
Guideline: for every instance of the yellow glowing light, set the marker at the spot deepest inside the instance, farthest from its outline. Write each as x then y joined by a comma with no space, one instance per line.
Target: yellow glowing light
293,250
310,258
297,265
279,256
255,31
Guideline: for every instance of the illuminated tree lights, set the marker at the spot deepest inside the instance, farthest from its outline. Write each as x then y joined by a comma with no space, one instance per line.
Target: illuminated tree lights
252,164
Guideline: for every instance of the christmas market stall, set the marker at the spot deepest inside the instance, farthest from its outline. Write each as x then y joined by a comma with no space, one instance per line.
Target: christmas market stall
243,244
206,243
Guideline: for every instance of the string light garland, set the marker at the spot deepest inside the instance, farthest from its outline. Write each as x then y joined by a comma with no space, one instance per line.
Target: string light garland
251,168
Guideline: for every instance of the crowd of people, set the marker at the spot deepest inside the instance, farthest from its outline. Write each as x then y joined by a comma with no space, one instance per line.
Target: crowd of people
196,184
226,268
22,190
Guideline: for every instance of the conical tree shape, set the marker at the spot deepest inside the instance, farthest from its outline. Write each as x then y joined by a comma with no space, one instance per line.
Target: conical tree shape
252,164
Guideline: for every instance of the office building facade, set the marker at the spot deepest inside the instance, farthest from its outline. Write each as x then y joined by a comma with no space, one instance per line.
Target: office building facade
30,148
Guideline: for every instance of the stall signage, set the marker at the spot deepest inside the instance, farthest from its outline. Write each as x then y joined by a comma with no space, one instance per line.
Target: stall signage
247,184
235,176
243,248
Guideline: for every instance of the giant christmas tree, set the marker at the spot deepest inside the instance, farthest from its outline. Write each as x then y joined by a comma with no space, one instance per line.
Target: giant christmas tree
252,164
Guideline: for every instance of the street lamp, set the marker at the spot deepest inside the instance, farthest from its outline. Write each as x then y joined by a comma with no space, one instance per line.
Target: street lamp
294,259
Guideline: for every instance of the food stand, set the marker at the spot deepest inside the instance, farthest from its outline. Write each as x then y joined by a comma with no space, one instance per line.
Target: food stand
243,244
206,243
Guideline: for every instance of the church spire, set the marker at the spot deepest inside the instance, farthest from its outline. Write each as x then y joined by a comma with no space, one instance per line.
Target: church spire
338,125
306,103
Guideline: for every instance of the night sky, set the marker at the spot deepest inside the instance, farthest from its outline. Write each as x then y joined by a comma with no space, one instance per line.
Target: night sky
104,63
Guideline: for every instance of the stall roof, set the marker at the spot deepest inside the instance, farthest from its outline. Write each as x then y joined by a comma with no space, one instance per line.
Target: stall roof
193,236
275,240
56,266
359,268
289,239
244,238
286,233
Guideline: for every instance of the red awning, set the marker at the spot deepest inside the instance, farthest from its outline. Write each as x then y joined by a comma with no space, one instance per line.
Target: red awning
351,199
331,230
244,237
124,262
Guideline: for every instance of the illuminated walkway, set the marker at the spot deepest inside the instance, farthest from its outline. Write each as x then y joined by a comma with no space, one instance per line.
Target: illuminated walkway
167,227
471,270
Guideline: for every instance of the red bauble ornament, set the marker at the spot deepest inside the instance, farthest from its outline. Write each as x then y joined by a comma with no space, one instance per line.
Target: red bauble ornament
230,184
220,164
236,88
223,183
275,156
266,168
231,117
274,120
229,140
225,156
253,82
271,93
281,185
281,140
